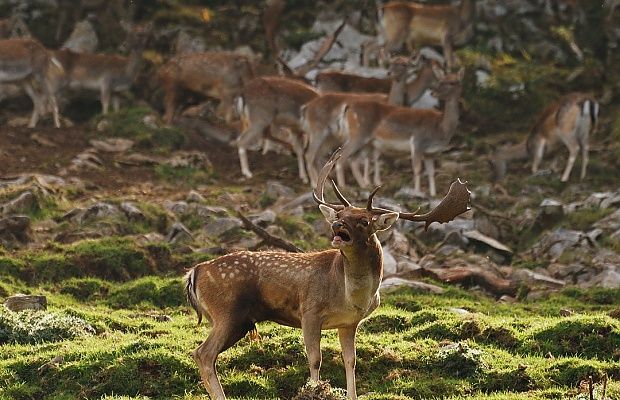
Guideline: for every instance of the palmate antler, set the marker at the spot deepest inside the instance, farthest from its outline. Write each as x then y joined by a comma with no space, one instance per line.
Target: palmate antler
453,204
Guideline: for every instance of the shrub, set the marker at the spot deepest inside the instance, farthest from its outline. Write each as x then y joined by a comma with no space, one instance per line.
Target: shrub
319,390
40,326
85,288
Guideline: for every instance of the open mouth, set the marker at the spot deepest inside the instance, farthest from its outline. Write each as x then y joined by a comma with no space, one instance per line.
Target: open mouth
341,237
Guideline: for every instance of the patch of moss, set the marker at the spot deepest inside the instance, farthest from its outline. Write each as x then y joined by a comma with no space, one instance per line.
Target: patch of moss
153,291
583,219
40,326
85,289
187,176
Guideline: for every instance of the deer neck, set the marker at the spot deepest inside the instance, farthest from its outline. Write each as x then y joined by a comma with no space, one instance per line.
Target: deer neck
363,271
418,86
397,92
135,61
450,118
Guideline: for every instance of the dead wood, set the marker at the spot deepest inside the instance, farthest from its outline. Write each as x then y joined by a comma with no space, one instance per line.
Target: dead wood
472,275
268,239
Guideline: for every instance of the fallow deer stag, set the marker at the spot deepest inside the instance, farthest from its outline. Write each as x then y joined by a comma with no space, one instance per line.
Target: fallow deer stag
568,120
221,75
109,74
331,289
411,24
423,132
28,63
270,102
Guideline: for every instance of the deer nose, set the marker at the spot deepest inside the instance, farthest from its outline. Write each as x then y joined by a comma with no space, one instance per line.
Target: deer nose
337,225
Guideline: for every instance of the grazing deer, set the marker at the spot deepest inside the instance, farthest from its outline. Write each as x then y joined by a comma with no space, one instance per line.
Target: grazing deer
330,289
423,132
414,24
320,116
28,63
221,75
568,120
272,102
109,74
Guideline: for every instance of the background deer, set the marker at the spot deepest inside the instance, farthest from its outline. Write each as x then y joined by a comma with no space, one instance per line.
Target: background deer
569,121
221,75
109,74
269,103
414,24
319,117
331,289
423,132
28,63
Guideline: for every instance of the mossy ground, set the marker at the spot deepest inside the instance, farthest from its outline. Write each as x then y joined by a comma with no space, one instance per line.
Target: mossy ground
412,347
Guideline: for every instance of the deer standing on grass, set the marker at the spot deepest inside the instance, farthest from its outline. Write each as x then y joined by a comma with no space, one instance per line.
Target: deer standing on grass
394,129
268,103
319,117
569,121
414,24
109,74
28,63
221,75
331,289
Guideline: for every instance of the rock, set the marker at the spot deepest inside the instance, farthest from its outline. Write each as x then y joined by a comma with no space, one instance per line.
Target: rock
507,299
595,199
21,204
132,212
609,279
21,302
87,159
535,280
276,190
562,271
83,38
186,44
150,121
389,263
264,218
100,210
459,311
553,244
408,267
447,250
149,238
398,243
42,141
216,227
485,225
549,213
610,223
112,145
137,159
177,207
15,228
565,312
478,237
594,234
394,283
195,197
178,234
192,159
611,201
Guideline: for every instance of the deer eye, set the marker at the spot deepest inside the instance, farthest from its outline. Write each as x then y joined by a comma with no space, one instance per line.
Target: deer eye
364,222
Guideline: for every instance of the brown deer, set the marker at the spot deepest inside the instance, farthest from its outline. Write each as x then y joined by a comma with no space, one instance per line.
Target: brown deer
221,75
568,120
414,24
109,74
330,289
267,103
28,63
423,132
320,116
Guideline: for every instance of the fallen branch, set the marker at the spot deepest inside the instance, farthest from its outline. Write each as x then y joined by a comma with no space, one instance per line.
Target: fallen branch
323,50
268,239
486,279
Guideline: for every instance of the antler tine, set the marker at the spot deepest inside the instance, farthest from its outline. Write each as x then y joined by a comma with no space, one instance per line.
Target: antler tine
317,193
340,196
455,203
369,206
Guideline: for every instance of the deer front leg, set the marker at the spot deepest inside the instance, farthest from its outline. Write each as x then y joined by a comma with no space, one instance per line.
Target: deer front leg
416,164
347,344
573,151
105,98
585,148
251,135
36,104
539,151
311,327
429,164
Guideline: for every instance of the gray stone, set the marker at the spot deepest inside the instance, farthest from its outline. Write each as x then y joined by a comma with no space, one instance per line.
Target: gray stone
195,197
112,145
390,266
553,244
218,226
132,212
21,302
549,213
533,279
394,283
100,210
83,38
15,228
610,223
277,190
264,218
595,199
407,267
563,271
177,207
611,201
179,234
22,203
609,278
478,237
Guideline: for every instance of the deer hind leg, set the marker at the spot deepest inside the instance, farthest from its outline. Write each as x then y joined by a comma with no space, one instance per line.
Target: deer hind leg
347,344
539,151
296,140
360,178
311,328
221,337
105,98
416,164
573,150
315,144
585,149
429,164
376,156
251,135
36,104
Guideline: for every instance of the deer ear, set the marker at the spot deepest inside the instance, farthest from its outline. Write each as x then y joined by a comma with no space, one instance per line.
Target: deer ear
384,221
329,213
